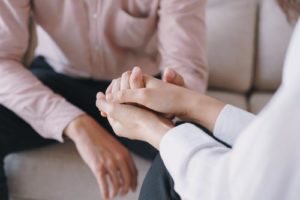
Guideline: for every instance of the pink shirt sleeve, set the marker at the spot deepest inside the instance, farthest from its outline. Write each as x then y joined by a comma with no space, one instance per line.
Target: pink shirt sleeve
182,40
21,92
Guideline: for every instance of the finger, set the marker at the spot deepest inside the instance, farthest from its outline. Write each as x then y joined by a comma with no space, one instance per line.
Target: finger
102,182
126,177
136,79
99,94
171,76
109,88
102,104
116,85
114,177
134,174
125,80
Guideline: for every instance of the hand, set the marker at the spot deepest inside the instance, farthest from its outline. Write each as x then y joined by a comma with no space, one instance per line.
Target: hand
171,99
134,80
106,157
156,95
133,122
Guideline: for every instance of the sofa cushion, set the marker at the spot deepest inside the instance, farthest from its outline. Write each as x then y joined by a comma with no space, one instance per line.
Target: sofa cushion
258,100
230,98
59,173
231,41
274,33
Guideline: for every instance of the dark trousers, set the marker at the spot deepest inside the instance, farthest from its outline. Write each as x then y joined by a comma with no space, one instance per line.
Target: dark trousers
158,183
16,135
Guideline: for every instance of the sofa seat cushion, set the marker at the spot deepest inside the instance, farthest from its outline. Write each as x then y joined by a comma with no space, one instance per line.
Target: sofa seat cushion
258,100
56,172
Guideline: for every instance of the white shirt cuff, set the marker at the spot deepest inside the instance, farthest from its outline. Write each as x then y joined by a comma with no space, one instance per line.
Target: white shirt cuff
176,144
230,123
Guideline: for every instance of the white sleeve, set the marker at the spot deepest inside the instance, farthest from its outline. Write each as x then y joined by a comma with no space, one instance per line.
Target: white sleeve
263,164
230,123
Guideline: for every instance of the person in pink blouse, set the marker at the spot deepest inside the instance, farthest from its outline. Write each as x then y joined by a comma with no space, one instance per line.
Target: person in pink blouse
82,46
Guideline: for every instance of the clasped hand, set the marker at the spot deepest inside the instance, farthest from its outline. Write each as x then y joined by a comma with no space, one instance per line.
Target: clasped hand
136,105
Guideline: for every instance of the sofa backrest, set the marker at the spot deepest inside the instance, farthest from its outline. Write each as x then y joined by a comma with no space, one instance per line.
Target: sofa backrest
247,42
231,43
273,35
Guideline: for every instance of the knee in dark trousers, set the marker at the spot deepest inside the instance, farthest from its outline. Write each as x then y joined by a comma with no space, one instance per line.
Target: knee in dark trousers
158,184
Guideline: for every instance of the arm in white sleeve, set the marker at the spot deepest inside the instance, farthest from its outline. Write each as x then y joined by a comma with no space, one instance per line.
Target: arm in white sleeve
230,123
263,164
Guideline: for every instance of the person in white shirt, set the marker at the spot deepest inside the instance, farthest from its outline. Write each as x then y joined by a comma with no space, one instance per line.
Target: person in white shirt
262,162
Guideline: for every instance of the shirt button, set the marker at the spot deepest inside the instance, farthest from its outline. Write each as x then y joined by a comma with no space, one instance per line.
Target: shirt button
95,15
97,48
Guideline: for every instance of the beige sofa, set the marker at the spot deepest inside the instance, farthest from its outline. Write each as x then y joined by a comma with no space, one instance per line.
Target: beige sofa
247,40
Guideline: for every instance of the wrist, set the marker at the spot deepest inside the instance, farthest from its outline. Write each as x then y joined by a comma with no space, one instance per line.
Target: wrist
204,110
75,127
156,132
188,110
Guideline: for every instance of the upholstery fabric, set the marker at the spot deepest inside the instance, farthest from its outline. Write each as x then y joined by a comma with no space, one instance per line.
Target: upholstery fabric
274,33
258,100
60,168
235,99
231,43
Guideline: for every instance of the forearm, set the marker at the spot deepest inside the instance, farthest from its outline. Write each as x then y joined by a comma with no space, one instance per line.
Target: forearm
154,134
21,92
202,109
196,162
201,166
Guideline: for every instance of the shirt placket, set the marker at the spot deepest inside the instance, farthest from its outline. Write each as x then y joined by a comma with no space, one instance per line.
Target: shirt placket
97,37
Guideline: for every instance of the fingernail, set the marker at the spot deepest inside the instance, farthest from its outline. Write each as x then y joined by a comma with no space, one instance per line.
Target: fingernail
136,69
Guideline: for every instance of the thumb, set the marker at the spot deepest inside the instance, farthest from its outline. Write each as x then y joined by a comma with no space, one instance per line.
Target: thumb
171,76
102,104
